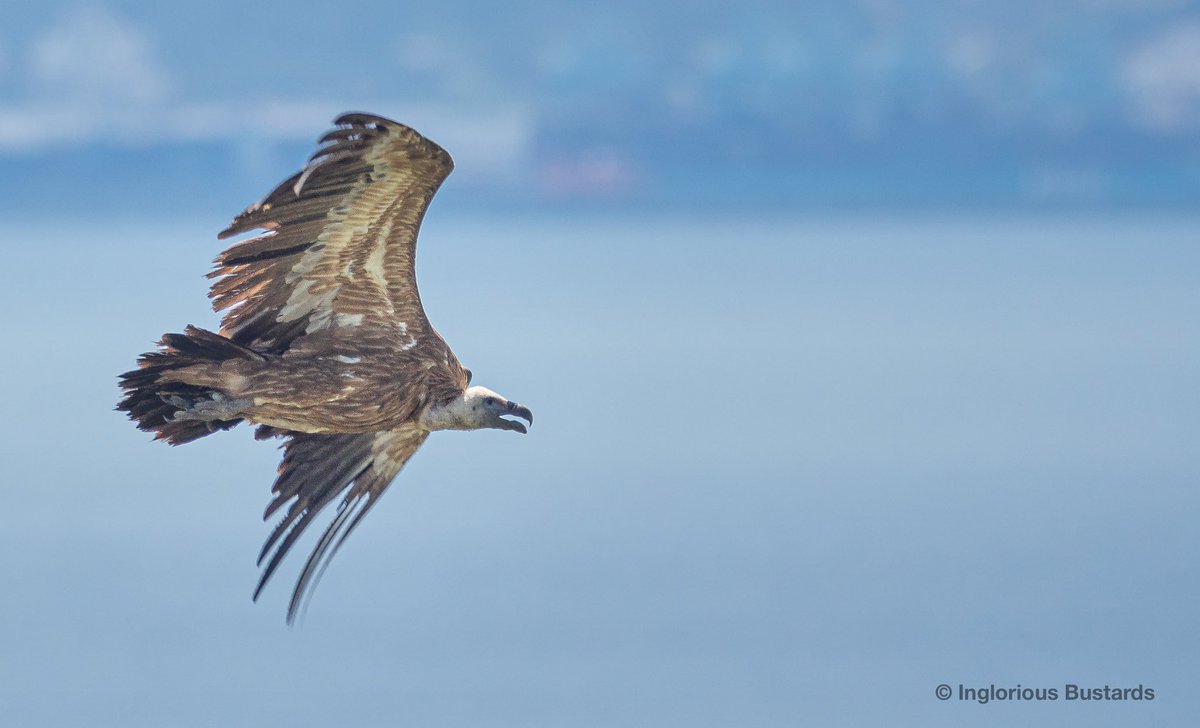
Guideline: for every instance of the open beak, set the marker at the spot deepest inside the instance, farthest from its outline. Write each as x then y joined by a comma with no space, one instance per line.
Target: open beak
517,410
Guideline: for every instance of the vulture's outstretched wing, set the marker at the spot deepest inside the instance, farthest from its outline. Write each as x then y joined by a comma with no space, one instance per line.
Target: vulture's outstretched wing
314,471
340,242
336,260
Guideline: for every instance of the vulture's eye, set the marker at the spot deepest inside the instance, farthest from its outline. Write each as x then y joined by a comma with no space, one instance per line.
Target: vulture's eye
489,401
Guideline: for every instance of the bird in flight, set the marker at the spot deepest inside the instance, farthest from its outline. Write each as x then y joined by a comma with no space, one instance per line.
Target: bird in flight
323,340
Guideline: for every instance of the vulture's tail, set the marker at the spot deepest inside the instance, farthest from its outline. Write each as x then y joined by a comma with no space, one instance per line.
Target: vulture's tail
175,411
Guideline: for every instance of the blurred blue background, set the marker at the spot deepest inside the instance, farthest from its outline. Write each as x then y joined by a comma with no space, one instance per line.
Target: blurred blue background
862,338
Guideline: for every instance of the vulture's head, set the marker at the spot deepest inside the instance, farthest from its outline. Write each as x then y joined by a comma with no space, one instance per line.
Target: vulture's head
483,408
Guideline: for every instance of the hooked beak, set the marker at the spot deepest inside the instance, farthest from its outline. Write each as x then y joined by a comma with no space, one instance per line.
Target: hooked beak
517,410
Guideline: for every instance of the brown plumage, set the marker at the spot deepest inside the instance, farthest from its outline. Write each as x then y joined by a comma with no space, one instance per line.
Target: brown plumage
323,341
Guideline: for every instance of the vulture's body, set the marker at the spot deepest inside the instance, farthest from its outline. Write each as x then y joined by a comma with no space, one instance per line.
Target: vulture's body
324,341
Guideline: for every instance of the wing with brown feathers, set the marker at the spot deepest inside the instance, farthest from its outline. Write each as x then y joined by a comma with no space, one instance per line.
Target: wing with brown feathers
314,471
340,241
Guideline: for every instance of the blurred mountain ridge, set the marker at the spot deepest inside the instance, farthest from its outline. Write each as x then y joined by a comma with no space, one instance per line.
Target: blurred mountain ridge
869,102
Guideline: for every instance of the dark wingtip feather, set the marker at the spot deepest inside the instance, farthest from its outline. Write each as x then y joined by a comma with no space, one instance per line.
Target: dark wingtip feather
353,507
362,118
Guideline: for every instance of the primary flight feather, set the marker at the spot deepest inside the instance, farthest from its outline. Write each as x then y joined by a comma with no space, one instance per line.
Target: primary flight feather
323,340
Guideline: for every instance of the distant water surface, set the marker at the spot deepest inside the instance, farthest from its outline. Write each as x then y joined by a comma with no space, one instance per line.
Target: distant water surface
785,471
